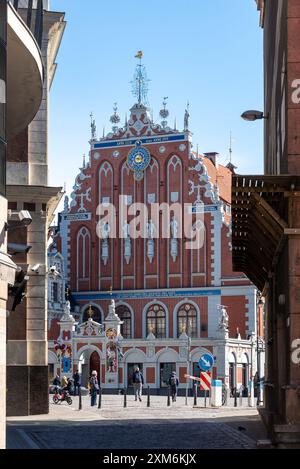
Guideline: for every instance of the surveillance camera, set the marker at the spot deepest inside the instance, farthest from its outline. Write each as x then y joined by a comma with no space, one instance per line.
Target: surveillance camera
53,270
35,268
14,248
25,217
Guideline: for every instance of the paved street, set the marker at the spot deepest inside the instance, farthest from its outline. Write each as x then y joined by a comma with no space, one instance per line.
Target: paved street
137,426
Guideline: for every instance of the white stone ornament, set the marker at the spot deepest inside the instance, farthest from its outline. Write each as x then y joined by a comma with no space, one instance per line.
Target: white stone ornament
182,147
96,156
162,149
116,154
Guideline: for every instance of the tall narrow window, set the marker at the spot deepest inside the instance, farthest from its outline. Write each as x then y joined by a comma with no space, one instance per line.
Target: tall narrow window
125,316
83,254
156,321
187,320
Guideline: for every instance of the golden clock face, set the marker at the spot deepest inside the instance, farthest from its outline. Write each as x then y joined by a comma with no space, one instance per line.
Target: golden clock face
139,158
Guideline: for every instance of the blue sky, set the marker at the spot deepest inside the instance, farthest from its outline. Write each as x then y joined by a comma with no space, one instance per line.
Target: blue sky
207,52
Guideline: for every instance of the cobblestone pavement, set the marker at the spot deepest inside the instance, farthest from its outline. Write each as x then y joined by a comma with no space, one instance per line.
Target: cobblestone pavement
137,426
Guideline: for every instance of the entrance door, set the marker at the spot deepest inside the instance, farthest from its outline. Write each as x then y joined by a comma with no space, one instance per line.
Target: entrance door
95,364
232,376
165,373
130,369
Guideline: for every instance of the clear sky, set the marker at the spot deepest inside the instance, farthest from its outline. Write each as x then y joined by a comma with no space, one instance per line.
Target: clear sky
206,51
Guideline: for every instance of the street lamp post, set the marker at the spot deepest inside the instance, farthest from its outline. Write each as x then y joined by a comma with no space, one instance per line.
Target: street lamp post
259,348
188,369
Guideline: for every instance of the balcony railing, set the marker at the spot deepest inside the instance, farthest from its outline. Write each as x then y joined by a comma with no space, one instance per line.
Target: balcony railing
31,6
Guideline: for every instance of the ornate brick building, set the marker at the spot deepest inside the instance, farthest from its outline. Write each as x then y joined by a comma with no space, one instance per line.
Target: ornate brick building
167,296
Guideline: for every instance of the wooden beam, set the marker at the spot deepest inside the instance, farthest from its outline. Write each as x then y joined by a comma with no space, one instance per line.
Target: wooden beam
268,209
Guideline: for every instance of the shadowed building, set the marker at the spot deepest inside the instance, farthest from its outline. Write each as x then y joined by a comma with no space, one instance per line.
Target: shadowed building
266,219
27,189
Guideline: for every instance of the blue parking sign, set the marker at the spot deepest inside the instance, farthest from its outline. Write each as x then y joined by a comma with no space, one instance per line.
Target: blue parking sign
206,362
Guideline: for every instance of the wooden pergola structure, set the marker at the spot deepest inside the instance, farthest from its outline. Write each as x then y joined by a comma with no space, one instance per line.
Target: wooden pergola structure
260,222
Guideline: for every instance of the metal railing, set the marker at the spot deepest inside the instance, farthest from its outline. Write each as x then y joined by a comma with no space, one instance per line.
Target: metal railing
31,6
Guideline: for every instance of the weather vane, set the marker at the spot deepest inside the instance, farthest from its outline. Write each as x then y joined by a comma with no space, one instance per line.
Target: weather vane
140,81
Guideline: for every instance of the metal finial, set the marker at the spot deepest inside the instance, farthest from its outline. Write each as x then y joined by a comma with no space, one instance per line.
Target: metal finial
175,124
83,161
115,118
90,311
164,113
140,81
230,147
103,135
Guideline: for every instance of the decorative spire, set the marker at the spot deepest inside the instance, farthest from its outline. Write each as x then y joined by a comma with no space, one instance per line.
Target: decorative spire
93,128
164,113
175,124
186,117
83,161
140,81
115,118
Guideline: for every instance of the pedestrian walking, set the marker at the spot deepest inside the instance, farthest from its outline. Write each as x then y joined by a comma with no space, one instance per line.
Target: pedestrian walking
94,388
138,381
77,382
173,383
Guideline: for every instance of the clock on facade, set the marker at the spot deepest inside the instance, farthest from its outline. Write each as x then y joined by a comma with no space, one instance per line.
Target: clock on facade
139,158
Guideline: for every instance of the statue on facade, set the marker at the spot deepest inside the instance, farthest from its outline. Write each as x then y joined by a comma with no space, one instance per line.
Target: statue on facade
224,318
125,230
186,118
105,230
174,227
151,229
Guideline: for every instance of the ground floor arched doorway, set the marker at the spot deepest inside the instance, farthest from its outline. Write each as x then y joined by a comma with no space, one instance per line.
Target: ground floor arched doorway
95,364
89,360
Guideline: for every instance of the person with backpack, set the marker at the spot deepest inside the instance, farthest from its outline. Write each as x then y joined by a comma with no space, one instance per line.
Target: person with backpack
138,381
77,382
173,383
94,388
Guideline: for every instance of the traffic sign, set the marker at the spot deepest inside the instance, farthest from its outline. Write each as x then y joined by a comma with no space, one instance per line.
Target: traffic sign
206,362
205,380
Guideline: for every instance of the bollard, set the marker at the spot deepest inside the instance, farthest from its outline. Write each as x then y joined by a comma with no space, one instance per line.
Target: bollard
168,400
205,398
235,397
148,397
195,394
100,398
80,399
241,398
125,397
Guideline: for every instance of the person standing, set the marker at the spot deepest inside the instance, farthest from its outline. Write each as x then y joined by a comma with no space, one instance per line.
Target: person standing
138,381
173,383
56,381
94,388
77,382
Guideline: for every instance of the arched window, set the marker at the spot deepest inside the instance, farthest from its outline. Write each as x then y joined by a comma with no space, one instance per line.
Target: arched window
83,254
92,312
124,314
156,321
187,320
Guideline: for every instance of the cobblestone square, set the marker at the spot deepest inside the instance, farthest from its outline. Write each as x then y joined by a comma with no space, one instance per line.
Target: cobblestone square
137,426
